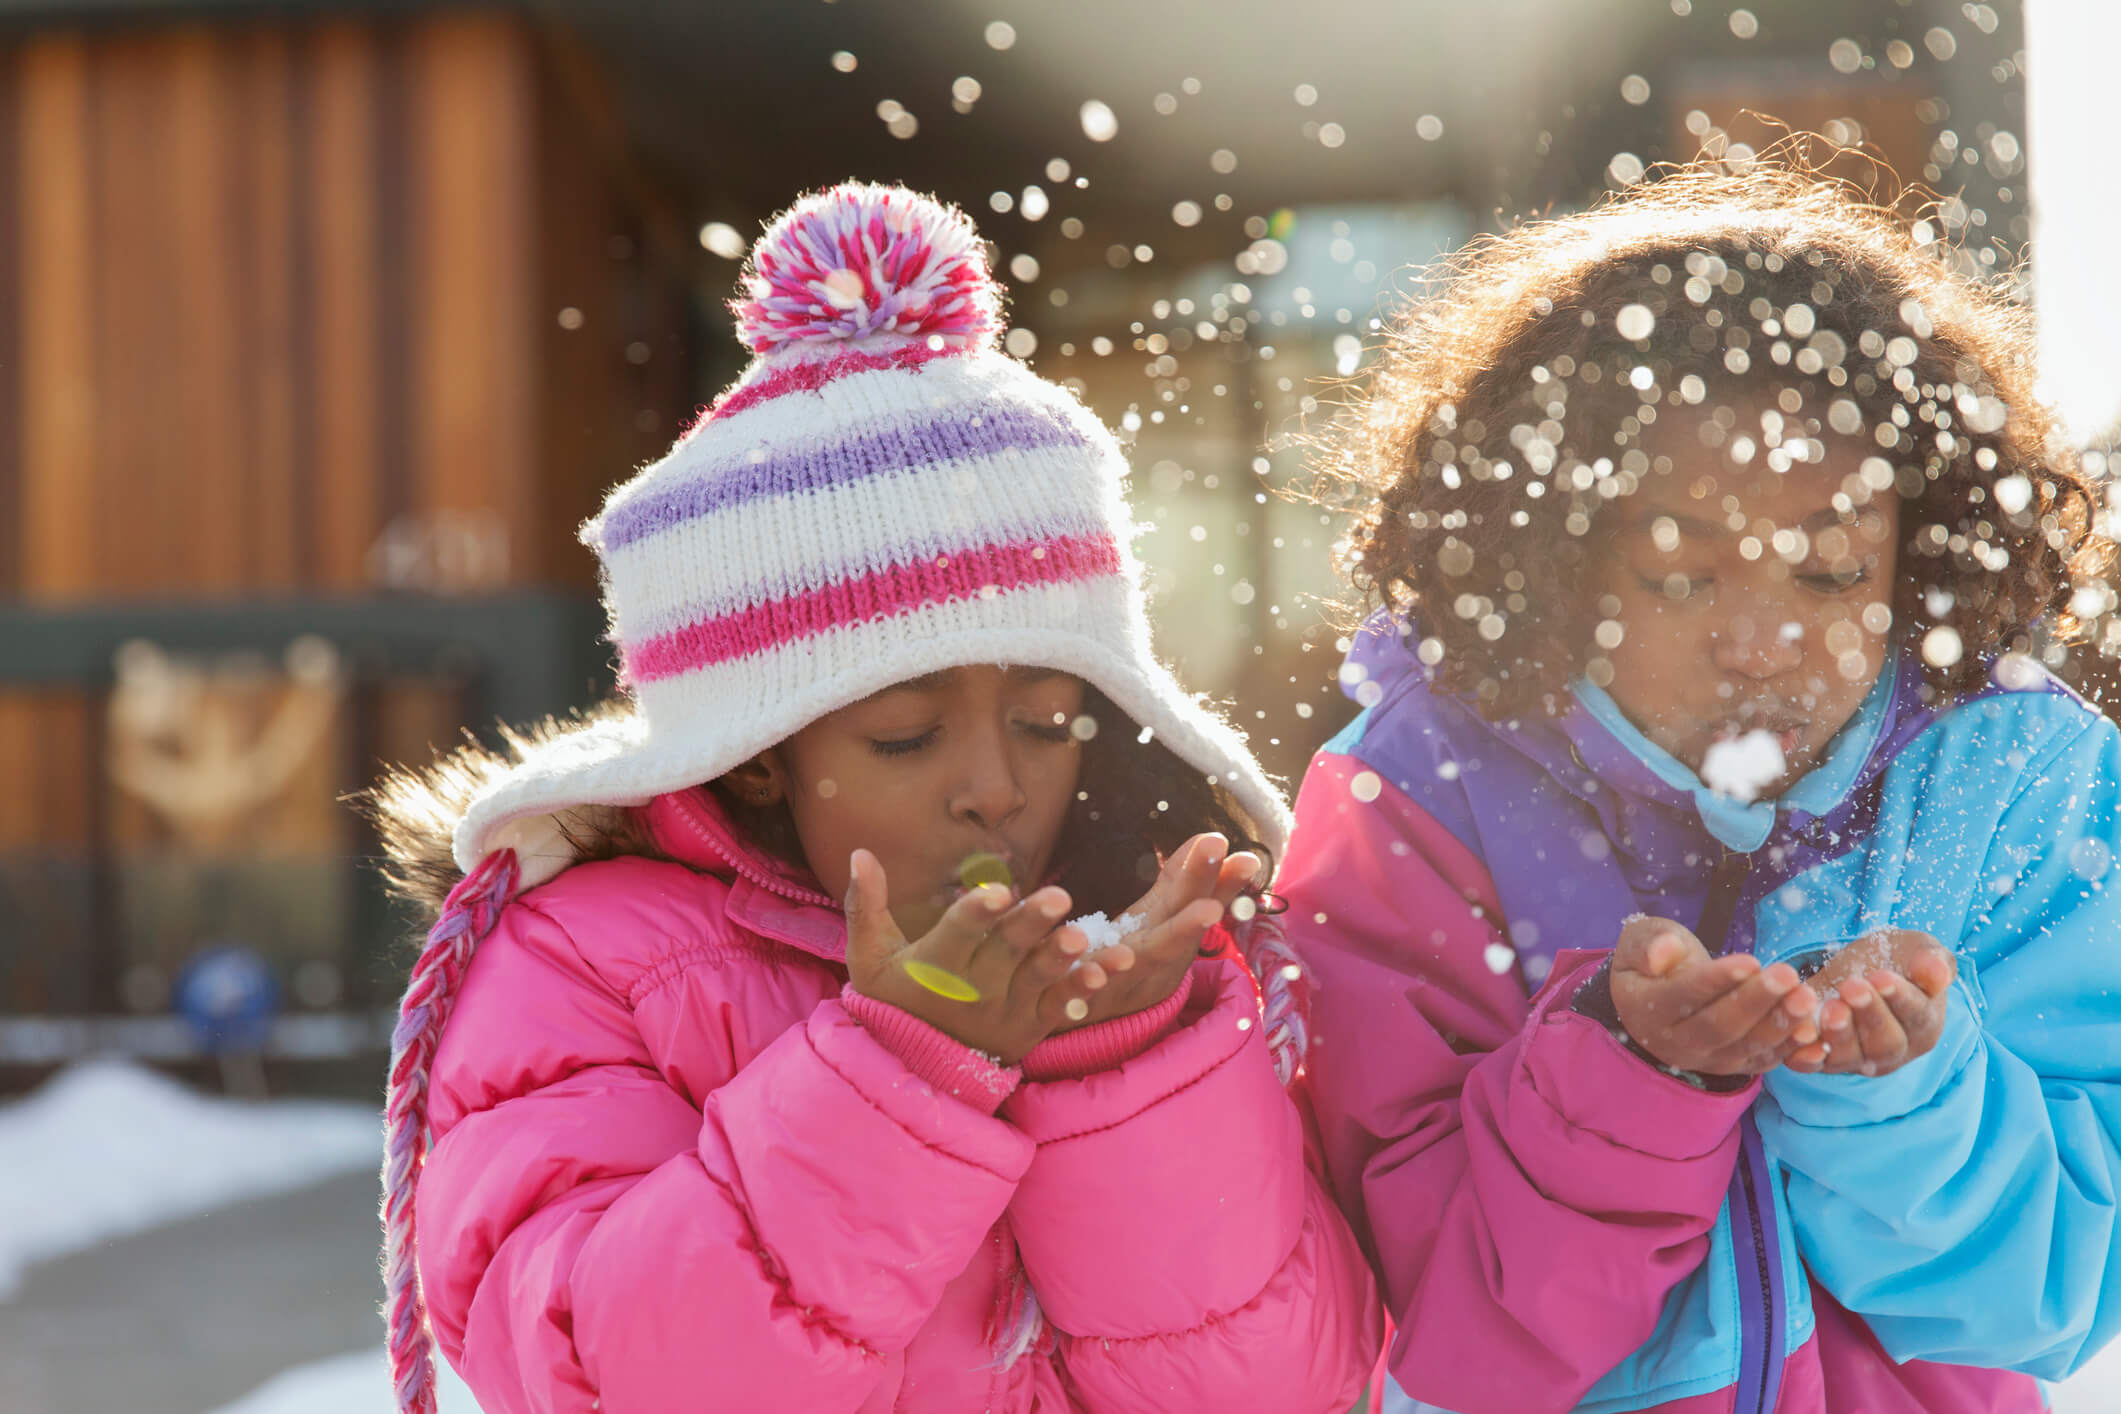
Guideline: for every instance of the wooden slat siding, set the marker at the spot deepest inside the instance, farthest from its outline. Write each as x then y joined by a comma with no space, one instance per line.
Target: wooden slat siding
140,472
302,534
394,283
584,423
591,188
474,293
63,740
205,252
57,388
340,181
18,767
264,221
10,336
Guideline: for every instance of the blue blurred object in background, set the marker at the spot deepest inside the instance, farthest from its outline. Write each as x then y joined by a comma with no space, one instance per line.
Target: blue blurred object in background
229,996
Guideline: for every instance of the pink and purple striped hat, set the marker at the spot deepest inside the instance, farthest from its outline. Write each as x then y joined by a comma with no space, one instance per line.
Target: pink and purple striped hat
883,494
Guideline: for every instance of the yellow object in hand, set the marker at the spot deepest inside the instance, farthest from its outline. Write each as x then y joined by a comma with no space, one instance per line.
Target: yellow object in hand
942,983
984,868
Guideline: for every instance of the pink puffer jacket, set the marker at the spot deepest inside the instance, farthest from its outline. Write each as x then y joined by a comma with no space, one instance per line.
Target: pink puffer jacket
672,1171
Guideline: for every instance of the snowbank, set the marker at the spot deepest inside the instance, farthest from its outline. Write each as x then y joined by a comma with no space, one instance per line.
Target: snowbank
108,1148
345,1384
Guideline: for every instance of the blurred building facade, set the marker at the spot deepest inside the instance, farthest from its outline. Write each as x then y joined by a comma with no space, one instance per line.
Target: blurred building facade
323,327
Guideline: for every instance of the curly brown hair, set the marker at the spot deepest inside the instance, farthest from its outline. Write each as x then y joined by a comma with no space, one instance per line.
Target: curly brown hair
1508,405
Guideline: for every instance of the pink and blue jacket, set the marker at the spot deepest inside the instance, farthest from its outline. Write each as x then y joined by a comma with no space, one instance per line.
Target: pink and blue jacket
678,1168
1560,1225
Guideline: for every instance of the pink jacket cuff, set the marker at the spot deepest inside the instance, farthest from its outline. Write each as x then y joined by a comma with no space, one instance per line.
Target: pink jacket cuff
1107,1045
1595,1082
949,1065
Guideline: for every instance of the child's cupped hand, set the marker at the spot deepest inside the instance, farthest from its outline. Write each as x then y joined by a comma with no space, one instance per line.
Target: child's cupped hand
993,973
1194,886
1719,1016
999,974
1885,999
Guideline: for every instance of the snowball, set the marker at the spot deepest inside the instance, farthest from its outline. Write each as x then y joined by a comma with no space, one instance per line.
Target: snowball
1103,932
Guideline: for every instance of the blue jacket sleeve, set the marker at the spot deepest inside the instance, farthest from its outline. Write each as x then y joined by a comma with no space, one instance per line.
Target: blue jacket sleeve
1965,1205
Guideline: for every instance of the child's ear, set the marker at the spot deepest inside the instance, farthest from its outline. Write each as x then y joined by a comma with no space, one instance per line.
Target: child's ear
761,781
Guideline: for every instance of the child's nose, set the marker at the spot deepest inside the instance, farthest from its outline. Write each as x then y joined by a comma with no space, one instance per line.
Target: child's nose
989,791
1755,648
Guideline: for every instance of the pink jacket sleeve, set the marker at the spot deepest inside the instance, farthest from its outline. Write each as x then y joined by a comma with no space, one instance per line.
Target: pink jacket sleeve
1180,1248
749,1239
1528,1189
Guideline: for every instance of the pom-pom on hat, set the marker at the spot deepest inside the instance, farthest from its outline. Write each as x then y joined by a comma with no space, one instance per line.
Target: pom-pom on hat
882,494
855,262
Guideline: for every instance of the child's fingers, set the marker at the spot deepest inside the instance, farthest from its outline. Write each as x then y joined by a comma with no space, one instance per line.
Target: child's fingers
1750,1022
1189,873
1236,874
1726,1023
1808,1059
1022,927
1878,1031
1920,1015
1049,960
1068,1001
1837,1033
1152,904
964,925
1654,1006
1709,982
1932,968
1180,933
1656,948
1118,958
872,935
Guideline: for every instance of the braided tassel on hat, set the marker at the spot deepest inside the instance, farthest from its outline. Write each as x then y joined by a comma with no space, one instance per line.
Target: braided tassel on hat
467,917
1284,993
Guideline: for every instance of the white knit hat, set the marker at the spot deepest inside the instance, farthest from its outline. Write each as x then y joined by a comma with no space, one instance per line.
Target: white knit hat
880,496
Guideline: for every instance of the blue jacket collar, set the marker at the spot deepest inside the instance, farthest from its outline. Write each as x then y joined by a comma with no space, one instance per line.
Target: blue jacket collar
1641,792
1746,825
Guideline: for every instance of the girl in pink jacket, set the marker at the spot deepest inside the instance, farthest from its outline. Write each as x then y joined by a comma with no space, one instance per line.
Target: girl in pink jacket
753,1061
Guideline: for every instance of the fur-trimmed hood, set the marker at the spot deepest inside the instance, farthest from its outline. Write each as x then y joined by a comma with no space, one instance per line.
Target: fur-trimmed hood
415,811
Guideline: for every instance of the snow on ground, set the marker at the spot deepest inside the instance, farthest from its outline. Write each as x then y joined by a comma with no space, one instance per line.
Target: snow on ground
132,1149
345,1384
2095,1389
360,1384
107,1148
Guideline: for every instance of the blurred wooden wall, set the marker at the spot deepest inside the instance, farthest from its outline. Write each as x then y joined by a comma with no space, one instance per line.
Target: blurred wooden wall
266,289
285,306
